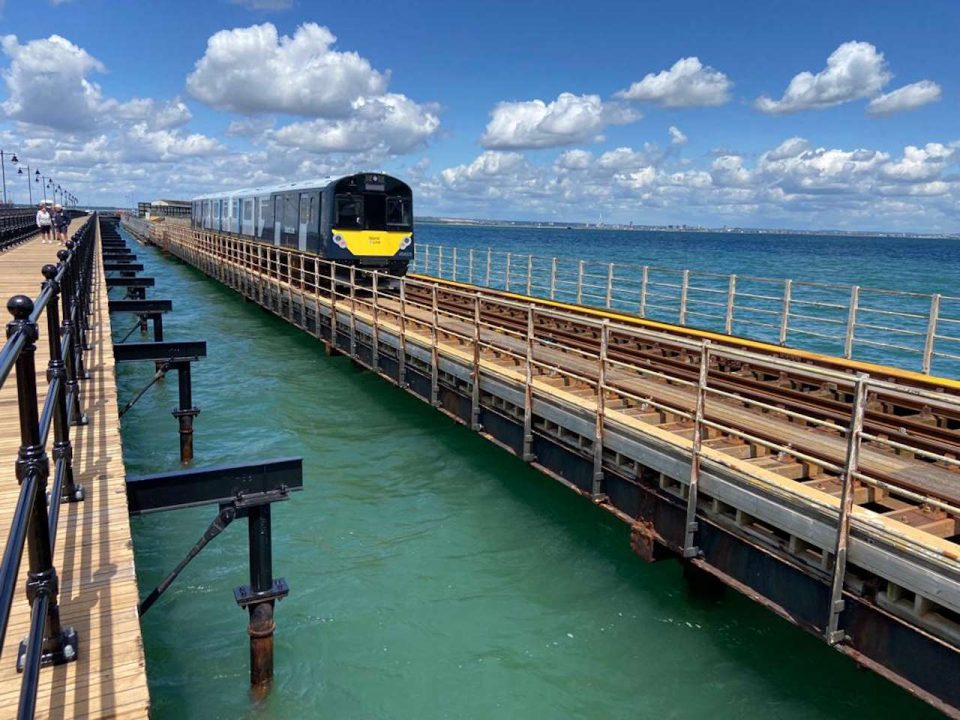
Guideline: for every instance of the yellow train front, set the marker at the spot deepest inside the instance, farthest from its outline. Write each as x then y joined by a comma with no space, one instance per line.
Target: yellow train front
364,219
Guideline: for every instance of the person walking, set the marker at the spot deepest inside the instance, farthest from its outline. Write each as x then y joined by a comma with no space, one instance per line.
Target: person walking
61,222
45,223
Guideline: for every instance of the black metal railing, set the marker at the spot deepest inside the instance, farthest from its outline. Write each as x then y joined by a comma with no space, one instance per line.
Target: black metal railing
66,293
16,225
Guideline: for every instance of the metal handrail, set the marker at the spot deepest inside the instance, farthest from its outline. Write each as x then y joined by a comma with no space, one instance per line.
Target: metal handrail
32,524
675,295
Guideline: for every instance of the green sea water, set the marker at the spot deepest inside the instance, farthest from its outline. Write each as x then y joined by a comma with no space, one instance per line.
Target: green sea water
432,575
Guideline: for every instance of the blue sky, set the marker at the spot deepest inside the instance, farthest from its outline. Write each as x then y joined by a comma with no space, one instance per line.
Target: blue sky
821,114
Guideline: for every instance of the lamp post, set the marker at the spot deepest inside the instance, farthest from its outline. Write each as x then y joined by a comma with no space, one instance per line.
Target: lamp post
29,185
42,180
3,172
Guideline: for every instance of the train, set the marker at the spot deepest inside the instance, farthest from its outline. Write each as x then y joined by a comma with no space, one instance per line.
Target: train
364,219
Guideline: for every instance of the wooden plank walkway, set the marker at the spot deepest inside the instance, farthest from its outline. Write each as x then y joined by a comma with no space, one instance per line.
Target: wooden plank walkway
94,551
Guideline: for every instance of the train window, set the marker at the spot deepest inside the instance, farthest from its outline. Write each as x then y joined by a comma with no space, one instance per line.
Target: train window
398,212
247,210
375,211
350,212
291,213
306,209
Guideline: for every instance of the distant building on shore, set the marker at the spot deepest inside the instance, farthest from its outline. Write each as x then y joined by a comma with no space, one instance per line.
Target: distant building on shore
164,208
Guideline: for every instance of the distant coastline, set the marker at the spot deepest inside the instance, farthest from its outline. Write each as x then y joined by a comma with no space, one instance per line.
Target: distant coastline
680,228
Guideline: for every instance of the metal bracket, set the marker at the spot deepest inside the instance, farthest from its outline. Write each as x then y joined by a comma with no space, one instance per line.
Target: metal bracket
245,597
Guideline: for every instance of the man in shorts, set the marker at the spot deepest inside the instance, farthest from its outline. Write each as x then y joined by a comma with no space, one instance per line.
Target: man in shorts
45,223
61,223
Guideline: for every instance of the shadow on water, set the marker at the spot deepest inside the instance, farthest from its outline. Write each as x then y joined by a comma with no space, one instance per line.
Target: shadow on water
432,574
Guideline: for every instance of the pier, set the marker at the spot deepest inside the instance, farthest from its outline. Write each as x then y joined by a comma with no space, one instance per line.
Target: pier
821,487
98,666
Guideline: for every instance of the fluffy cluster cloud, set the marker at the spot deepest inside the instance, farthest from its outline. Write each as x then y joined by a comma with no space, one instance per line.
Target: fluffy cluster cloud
47,83
567,120
688,83
255,70
391,124
855,70
795,182
676,136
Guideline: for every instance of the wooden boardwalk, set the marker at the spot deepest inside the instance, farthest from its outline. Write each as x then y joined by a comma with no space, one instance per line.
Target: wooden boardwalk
94,551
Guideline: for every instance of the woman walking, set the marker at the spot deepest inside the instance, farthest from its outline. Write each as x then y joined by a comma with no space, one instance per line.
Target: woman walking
45,223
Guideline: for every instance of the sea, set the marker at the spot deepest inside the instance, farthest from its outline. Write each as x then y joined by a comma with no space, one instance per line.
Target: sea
433,575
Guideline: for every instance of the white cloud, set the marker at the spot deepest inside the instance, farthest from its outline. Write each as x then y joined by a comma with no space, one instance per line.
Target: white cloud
391,125
47,84
567,120
255,70
676,136
920,164
908,97
574,160
158,115
487,166
687,84
854,70
791,185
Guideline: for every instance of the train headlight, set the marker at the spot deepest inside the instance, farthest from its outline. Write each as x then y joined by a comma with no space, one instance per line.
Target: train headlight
339,241
406,242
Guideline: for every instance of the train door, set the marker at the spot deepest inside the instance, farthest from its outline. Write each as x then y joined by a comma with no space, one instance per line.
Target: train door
261,208
277,218
246,226
307,213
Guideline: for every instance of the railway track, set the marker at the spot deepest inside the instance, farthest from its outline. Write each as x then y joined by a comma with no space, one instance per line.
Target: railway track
789,402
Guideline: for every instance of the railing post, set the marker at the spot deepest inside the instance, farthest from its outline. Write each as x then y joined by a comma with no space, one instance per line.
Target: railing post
57,379
832,634
553,278
731,300
609,285
440,261
475,379
580,283
434,349
930,340
597,490
529,274
785,311
453,272
489,262
69,331
527,454
332,345
375,350
851,322
402,349
47,643
684,290
690,550
353,311
506,275
470,266
644,285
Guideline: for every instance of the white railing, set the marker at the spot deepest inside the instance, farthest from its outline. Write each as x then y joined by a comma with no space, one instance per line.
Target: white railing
918,331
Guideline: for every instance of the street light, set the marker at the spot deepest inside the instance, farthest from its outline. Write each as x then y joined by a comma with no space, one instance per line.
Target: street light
3,173
29,186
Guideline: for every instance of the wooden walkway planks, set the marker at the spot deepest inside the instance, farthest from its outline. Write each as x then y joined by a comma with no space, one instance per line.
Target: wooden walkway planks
94,551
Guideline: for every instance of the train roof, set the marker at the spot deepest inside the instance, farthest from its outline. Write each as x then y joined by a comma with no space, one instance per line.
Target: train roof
282,187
